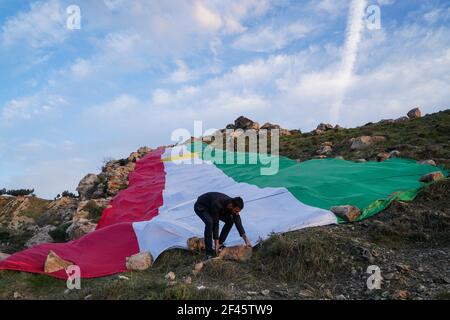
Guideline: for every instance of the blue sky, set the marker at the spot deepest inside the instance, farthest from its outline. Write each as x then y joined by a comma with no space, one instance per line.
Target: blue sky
138,70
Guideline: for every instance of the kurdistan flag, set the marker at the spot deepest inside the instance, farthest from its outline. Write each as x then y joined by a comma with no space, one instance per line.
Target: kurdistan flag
155,212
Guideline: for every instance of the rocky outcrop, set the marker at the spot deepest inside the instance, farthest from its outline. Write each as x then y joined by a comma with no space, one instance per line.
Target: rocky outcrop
245,124
414,113
325,148
41,236
87,186
59,211
139,262
79,228
364,142
324,126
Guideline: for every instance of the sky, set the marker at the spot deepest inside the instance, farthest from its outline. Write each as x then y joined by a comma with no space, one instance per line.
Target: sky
134,71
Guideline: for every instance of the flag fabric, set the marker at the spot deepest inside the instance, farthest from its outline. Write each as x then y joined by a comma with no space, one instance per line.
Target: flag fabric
155,213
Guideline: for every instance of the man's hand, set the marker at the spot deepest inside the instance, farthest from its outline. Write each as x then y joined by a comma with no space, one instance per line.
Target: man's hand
247,241
216,246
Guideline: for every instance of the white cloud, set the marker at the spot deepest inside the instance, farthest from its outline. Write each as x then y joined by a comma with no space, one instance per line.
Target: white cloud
26,108
271,38
81,68
42,26
207,18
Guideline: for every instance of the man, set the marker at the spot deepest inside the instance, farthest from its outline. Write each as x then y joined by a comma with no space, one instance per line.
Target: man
214,206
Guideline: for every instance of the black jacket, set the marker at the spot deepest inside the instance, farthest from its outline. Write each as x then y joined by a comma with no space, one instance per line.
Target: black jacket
216,205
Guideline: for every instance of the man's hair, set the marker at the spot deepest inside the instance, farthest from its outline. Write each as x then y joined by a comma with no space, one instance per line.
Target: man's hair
238,202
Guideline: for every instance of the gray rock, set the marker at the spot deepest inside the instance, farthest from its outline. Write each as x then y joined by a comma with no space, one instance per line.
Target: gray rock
41,236
430,162
364,142
414,113
87,185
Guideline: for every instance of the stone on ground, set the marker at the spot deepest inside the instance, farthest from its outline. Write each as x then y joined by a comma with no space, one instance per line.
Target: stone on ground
139,262
236,253
196,244
347,212
433,176
414,113
55,263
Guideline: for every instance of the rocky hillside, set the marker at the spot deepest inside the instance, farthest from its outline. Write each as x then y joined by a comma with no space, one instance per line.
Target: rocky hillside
409,241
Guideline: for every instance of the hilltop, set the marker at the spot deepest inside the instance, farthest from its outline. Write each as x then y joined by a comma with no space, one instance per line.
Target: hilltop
409,241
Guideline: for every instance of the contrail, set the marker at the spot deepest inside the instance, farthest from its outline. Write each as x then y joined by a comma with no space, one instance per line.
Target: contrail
355,28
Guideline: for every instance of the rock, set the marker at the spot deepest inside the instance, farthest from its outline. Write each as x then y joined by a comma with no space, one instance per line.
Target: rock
295,131
403,268
187,280
364,142
382,156
324,126
236,253
121,277
86,186
88,297
414,113
430,162
401,119
270,126
54,263
198,267
318,131
265,292
170,276
230,126
339,157
80,228
41,236
306,293
347,212
252,293
433,176
196,244
400,295
384,121
17,295
421,288
3,256
59,211
394,154
139,261
324,150
328,294
389,276
338,127
361,160
341,297
245,124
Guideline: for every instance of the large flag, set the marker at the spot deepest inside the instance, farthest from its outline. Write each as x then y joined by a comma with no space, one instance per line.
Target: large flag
155,212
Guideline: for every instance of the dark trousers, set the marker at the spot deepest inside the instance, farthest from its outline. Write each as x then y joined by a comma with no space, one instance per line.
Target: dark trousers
203,214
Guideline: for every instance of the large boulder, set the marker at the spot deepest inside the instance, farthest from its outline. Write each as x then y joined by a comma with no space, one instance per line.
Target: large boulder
414,113
433,176
364,142
87,185
270,126
41,236
245,124
236,253
139,262
347,212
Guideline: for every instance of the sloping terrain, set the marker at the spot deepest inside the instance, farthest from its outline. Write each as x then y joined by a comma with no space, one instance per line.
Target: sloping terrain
409,242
